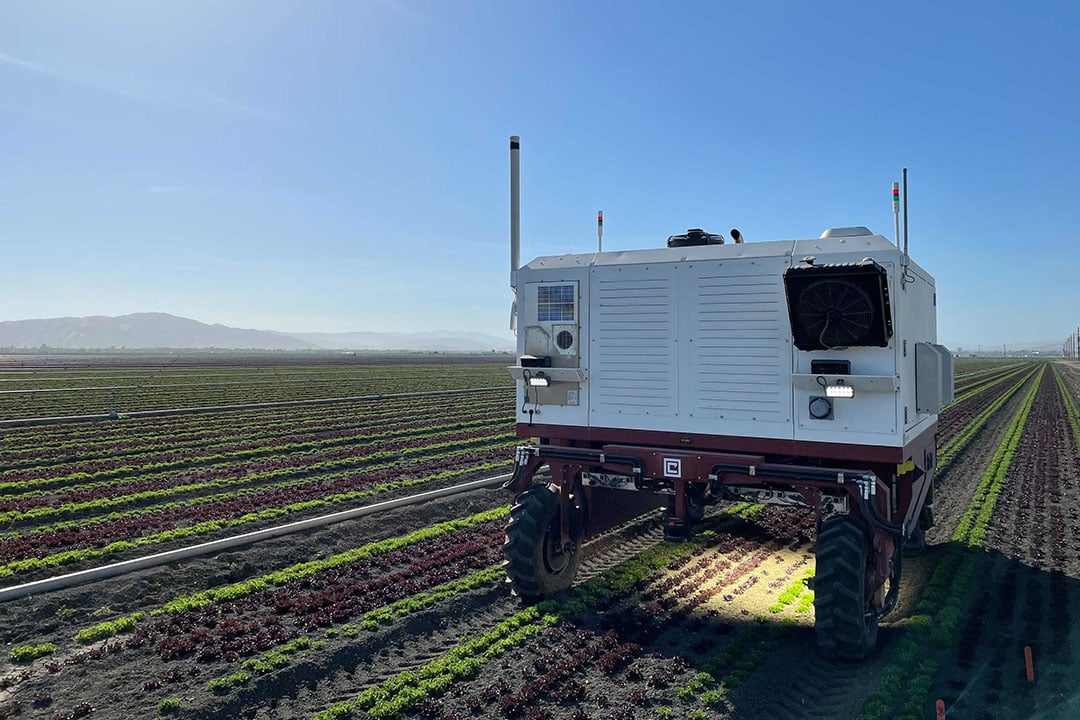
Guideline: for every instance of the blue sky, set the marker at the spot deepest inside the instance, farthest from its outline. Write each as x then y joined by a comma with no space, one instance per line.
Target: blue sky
342,165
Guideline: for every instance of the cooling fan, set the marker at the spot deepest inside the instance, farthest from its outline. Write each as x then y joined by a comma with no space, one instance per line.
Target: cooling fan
838,312
839,305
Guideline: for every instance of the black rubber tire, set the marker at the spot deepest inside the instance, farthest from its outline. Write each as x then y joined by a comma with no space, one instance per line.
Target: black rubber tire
536,565
841,621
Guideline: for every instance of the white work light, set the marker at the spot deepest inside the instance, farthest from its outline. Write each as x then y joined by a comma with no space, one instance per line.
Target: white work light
539,380
839,390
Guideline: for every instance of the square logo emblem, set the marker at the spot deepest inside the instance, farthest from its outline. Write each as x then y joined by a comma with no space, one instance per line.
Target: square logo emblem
673,467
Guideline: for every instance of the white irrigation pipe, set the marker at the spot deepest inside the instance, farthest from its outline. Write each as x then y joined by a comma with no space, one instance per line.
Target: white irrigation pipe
228,383
60,419
127,566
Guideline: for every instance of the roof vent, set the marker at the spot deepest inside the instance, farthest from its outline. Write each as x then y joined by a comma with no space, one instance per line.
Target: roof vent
857,231
694,236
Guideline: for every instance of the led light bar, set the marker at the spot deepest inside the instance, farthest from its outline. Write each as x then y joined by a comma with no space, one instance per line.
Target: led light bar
839,390
539,380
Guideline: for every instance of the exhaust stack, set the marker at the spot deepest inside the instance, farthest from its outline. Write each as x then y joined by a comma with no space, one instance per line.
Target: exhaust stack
515,209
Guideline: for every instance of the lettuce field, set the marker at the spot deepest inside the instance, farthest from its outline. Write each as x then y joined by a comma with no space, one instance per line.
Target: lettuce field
404,613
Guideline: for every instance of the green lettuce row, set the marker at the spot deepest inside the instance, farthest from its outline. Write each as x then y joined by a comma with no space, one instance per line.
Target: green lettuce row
971,392
942,599
408,688
1071,410
239,487
205,598
146,446
397,455
962,438
75,556
194,432
162,469
280,657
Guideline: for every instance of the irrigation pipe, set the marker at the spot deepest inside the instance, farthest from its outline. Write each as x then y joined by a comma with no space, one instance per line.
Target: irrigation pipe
121,568
224,383
59,420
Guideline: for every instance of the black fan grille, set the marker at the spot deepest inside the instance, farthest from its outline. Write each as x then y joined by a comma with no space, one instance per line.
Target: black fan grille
836,312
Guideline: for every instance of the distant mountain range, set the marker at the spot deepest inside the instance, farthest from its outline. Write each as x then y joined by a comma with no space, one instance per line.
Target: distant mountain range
161,330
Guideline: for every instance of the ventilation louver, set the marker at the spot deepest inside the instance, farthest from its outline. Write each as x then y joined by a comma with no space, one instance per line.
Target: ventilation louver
839,305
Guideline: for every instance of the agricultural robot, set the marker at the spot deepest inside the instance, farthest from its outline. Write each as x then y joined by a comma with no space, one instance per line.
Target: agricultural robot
796,373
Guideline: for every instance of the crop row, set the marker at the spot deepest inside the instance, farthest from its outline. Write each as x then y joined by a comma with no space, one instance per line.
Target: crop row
254,477
186,377
717,562
375,556
126,399
270,419
270,475
983,383
967,367
242,626
955,436
63,480
232,510
134,438
261,621
1071,409
138,489
941,602
204,383
962,380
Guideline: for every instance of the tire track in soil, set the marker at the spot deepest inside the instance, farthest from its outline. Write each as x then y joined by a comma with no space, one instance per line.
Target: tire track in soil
1027,598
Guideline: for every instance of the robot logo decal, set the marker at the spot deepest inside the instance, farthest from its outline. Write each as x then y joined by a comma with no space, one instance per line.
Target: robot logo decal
673,467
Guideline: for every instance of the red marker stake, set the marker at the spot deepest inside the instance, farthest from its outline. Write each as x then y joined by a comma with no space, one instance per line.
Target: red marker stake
940,707
1028,664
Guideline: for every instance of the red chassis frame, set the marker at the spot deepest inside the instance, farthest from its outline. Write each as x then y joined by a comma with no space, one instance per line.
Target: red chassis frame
886,486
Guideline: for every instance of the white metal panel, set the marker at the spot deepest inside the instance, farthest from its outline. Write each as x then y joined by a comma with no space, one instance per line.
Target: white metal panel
929,373
739,346
634,336
548,404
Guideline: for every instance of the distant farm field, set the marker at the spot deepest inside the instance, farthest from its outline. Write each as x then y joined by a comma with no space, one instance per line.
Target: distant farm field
405,612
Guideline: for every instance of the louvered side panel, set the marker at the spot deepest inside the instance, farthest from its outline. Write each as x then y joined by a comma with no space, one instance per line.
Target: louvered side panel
742,354
634,340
